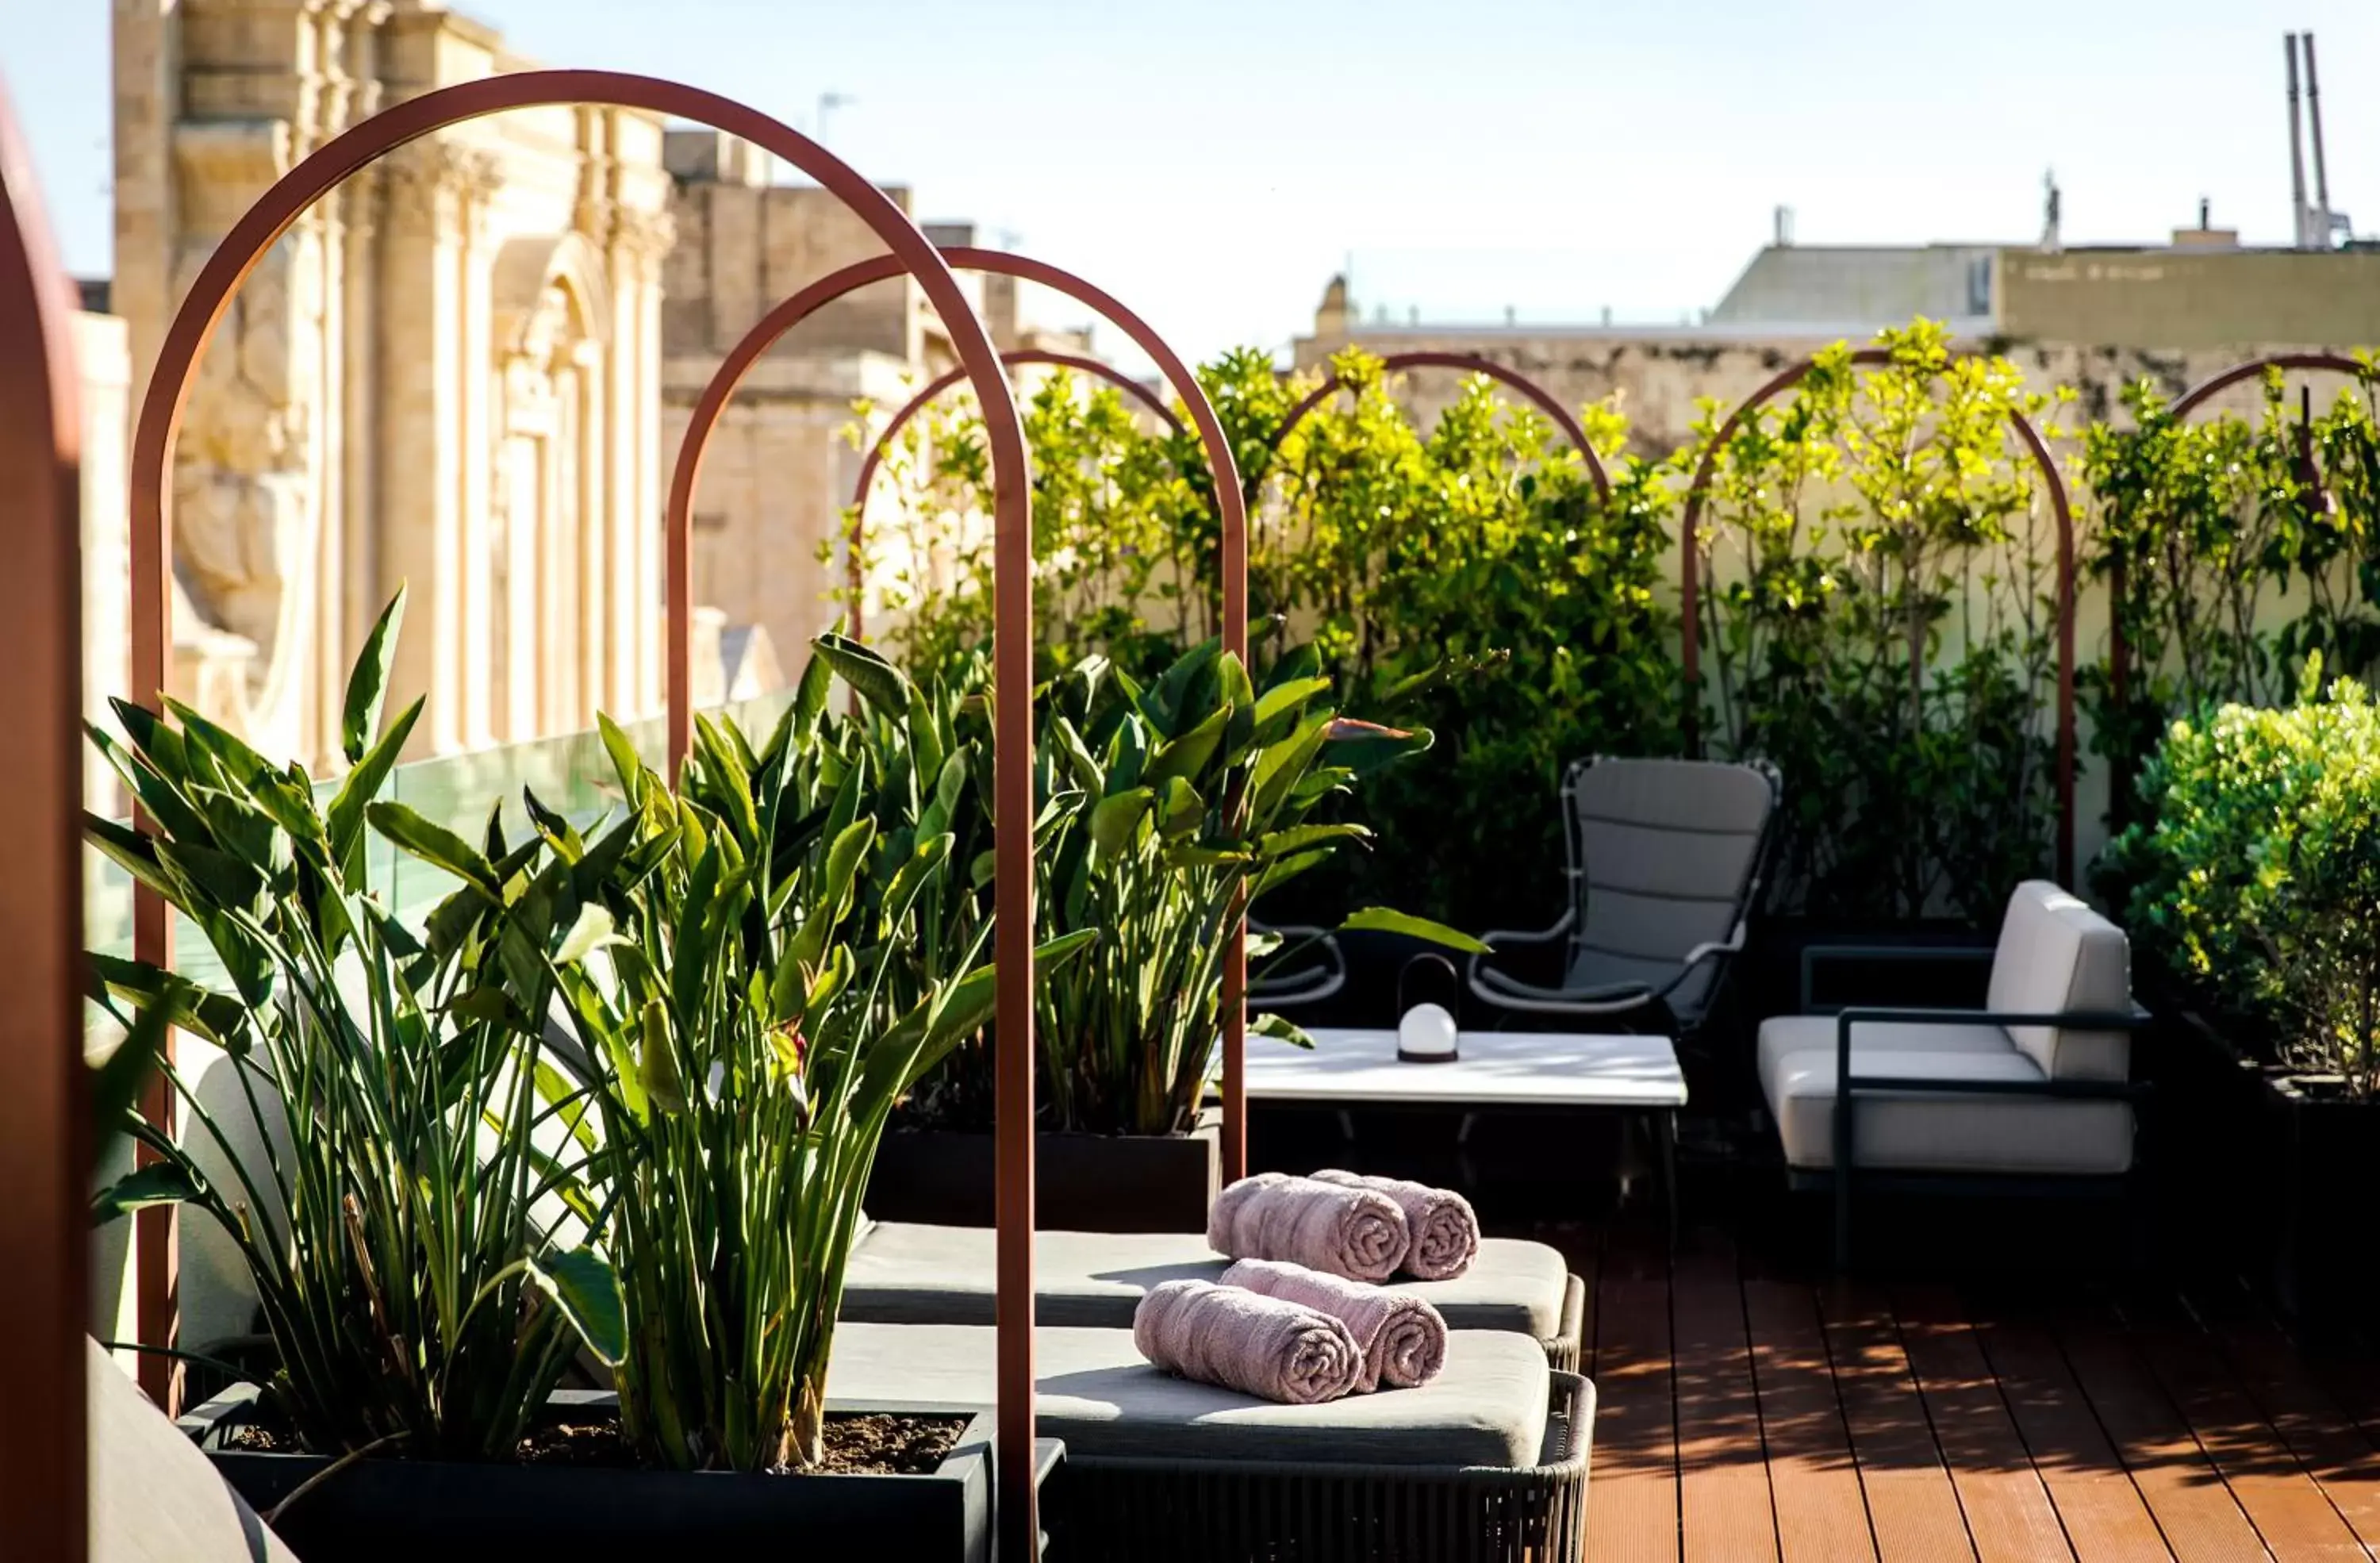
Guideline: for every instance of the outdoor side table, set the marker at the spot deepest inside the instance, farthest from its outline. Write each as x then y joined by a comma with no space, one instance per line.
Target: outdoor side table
1351,1067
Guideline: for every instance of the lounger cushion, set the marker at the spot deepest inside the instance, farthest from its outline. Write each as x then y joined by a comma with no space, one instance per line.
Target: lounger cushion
2056,953
1921,1131
1094,1390
908,1273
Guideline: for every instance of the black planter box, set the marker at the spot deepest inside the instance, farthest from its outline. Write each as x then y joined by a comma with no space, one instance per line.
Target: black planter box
2323,1154
379,1510
1083,1182
2264,1173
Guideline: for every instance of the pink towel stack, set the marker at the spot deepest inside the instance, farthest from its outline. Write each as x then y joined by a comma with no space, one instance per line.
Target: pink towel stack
1403,1338
1342,1231
1267,1347
1444,1228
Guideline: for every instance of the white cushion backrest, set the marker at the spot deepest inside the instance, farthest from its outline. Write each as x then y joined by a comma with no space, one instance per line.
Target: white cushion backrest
2056,953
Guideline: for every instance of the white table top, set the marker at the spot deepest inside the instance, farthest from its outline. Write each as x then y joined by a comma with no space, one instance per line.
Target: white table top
1495,1068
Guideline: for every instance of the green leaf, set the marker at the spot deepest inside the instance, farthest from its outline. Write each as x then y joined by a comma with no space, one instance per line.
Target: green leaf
588,1293
1281,1028
879,683
116,1080
1382,919
1113,821
362,784
163,1183
436,845
1284,697
368,684
657,1070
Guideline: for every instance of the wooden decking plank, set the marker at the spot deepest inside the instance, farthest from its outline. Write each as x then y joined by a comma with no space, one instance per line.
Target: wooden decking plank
2342,1457
2105,1517
1821,1511
2281,1498
1633,1510
1726,1515
2009,1516
1910,1502
2202,1520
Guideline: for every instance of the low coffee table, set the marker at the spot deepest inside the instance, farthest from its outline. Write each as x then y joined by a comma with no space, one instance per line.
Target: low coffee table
1348,1067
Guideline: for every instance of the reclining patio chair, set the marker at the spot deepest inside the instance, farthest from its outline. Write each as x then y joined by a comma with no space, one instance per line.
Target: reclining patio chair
1664,863
2031,1093
1486,1462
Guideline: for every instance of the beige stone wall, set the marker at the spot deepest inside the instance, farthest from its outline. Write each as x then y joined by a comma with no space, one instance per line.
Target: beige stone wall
446,374
778,469
2181,299
105,366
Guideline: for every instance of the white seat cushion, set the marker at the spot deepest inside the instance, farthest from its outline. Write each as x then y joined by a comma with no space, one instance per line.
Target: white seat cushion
1781,1036
1925,1133
2056,953
1092,1389
905,1272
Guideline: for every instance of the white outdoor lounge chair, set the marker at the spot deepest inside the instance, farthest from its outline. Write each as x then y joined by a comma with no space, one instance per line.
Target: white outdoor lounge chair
2031,1093
1664,862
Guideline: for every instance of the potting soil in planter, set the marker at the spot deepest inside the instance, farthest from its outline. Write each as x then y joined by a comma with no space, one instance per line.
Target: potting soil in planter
856,1443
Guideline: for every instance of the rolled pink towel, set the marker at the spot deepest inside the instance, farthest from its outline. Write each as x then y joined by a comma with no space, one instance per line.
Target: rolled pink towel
1445,1231
1402,1337
1355,1232
1262,1346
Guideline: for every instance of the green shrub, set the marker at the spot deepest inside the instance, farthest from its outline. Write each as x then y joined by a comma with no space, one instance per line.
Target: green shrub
2227,565
1880,624
2257,874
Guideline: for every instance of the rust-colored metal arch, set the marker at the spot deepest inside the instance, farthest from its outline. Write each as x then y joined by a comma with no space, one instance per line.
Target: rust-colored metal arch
855,575
2119,645
44,1089
1470,363
1231,503
152,539
1689,584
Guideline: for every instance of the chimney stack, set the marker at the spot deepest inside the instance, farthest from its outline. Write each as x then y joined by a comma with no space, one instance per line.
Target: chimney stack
2322,224
2298,224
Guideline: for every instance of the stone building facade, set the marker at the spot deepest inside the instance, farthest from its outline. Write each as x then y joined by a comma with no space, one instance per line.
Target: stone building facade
778,469
447,374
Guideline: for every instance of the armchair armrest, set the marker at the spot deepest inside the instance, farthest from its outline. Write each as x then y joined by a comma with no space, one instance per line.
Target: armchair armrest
1813,954
1610,1000
1303,985
1848,1084
1495,937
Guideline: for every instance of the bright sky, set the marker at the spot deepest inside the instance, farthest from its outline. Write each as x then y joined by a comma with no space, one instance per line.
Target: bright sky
1212,163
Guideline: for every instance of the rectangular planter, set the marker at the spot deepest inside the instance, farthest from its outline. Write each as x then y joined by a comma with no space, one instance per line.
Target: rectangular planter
2269,1171
381,1510
2322,1155
1084,1182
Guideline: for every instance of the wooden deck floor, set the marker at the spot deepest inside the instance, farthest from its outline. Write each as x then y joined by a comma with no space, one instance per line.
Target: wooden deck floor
1747,1416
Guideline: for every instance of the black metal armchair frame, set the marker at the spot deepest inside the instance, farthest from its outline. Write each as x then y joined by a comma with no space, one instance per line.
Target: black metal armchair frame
1850,1086
1650,1000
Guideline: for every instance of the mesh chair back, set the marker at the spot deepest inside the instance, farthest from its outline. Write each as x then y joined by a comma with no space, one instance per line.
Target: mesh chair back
1663,856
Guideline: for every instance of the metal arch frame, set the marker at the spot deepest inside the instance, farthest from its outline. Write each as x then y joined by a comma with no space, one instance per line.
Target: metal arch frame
1231,503
2119,645
1539,396
1690,595
854,577
151,545
45,1088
